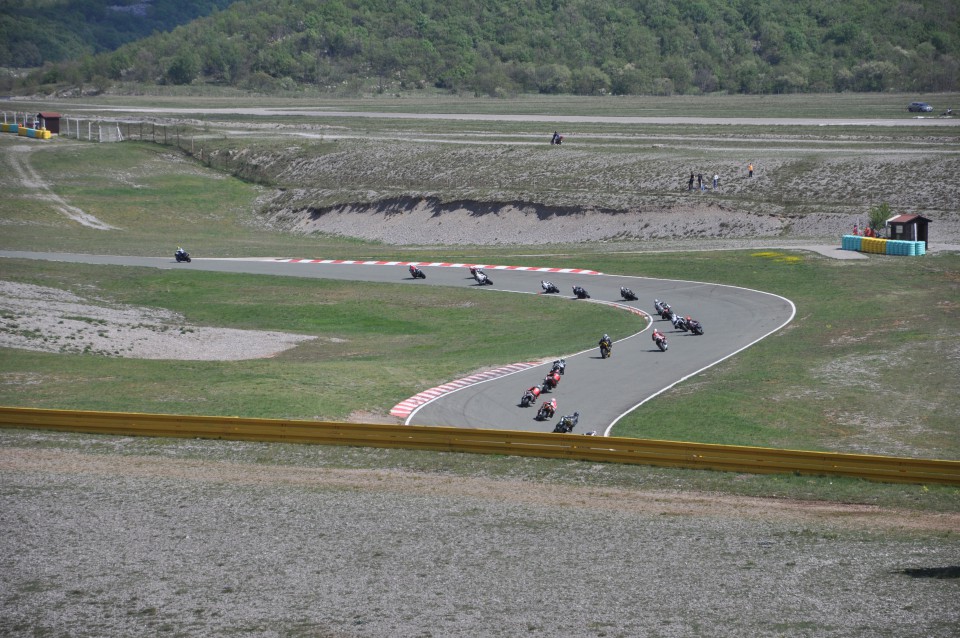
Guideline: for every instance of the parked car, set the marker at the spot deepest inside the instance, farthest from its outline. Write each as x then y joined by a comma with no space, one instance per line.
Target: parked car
919,107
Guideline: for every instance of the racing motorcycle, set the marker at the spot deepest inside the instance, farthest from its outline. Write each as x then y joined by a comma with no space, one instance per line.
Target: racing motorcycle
627,294
481,277
661,341
530,396
678,322
560,365
547,410
416,273
548,287
694,326
606,349
181,255
665,311
550,381
567,423
580,292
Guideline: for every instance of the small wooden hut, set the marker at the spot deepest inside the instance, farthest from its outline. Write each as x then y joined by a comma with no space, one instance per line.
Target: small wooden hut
909,228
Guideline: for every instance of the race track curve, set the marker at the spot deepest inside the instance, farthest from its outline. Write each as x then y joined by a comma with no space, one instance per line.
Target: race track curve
601,390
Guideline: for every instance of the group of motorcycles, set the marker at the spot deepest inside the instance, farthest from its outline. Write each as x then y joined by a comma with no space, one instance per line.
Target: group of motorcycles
548,408
476,272
686,324
550,288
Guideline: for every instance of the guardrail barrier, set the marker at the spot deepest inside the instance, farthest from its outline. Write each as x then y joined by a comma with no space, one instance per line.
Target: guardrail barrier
700,456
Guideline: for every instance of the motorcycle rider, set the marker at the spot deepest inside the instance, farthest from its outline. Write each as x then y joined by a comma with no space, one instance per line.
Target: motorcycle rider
605,341
548,287
657,335
560,365
549,407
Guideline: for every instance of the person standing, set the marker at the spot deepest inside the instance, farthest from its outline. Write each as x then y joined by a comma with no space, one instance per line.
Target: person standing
690,182
700,181
716,181
750,169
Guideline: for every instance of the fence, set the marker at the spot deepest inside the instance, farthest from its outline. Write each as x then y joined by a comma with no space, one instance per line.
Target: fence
539,444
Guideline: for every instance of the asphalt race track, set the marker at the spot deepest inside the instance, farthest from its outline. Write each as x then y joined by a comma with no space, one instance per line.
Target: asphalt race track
601,390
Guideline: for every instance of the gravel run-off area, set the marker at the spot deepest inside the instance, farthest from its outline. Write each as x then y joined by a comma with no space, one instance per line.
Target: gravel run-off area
112,542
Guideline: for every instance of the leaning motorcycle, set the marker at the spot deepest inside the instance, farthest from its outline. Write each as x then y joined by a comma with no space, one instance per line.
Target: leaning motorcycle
661,342
548,287
530,397
551,381
567,423
547,410
416,273
580,293
627,294
695,326
482,279
181,255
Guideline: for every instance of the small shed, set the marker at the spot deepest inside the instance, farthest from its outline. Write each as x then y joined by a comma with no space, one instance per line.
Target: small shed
49,121
909,228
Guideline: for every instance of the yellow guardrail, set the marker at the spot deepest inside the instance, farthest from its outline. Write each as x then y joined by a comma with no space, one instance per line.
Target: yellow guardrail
702,456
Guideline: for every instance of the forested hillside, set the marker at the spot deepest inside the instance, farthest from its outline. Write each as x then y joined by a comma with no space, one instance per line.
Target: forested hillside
499,47
32,33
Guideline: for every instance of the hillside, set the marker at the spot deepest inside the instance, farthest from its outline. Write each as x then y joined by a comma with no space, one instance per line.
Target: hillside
57,30
539,46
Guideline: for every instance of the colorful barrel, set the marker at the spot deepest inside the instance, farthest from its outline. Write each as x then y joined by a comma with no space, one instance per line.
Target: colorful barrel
850,242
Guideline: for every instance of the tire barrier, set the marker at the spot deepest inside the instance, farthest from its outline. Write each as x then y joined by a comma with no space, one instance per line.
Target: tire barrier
599,449
878,246
23,131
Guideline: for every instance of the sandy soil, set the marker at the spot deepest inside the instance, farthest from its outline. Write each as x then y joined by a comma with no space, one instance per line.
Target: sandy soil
53,320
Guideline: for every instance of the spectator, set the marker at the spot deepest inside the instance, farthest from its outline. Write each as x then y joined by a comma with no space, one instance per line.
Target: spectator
716,181
690,182
750,169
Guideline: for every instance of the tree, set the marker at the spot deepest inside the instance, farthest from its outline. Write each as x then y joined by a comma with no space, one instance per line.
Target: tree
878,216
184,68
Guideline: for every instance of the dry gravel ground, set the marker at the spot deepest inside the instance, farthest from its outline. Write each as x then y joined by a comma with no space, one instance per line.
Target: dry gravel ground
52,320
106,544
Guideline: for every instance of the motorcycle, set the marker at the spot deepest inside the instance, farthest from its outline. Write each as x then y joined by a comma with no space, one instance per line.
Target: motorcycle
567,423
606,349
678,322
530,396
661,341
627,294
550,381
416,273
657,305
694,326
665,311
560,365
548,287
580,293
482,279
547,410
181,255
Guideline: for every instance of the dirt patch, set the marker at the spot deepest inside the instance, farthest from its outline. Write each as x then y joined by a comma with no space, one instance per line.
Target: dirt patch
420,221
53,320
